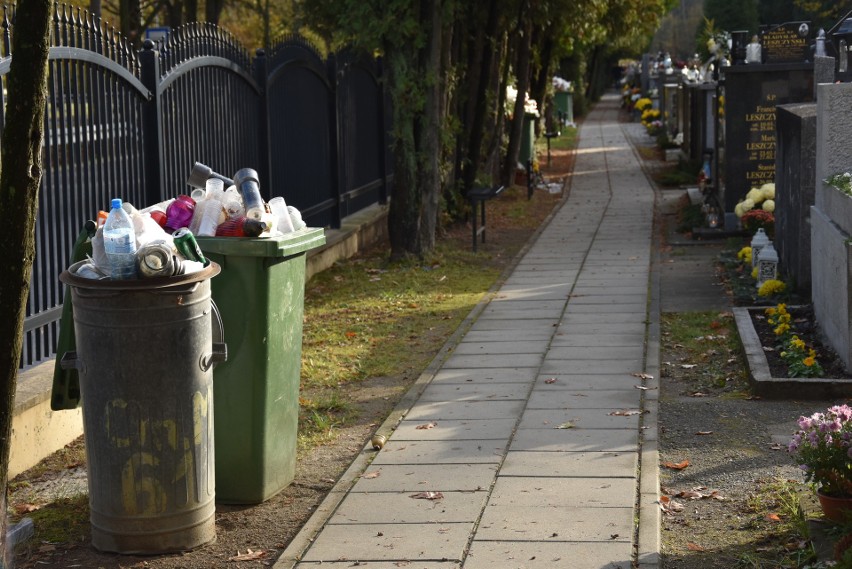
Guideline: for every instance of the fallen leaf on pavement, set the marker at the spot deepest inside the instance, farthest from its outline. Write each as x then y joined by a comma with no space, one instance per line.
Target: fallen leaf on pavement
643,375
426,426
428,496
565,425
374,474
550,380
249,555
690,495
643,388
677,466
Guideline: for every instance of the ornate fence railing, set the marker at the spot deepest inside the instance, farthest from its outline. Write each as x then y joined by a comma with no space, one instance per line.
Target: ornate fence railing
122,123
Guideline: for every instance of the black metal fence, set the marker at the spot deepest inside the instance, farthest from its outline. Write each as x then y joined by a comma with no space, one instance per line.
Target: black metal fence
121,123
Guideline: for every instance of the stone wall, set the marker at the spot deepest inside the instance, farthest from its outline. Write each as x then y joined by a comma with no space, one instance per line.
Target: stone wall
831,219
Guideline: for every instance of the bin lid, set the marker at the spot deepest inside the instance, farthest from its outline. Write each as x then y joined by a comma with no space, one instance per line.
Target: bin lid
70,277
285,245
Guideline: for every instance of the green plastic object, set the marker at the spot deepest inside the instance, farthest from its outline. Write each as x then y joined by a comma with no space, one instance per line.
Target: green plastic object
65,393
260,294
527,151
565,102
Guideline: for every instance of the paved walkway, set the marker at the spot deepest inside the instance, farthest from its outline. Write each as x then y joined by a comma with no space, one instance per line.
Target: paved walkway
539,428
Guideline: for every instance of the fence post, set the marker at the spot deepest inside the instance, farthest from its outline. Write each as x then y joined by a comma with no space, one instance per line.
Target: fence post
335,139
382,150
260,68
152,133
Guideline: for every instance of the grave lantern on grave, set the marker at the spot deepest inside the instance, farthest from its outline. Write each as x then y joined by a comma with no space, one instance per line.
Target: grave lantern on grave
758,242
767,264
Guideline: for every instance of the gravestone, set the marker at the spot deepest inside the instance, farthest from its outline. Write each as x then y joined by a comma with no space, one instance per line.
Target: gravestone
831,221
751,94
795,178
786,43
823,71
702,122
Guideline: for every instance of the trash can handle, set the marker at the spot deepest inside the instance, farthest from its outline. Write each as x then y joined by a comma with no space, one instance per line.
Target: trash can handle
219,355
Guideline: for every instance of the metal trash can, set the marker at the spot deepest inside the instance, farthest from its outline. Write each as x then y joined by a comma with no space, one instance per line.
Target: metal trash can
145,354
261,294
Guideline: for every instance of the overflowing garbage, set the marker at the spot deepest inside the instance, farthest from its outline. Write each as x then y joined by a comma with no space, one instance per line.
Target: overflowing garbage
159,240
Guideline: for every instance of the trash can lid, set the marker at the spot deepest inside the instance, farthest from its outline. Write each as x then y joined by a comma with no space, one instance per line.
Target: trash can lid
70,277
281,246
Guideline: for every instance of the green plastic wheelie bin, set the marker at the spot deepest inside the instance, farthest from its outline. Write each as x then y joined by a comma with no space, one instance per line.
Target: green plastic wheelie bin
260,294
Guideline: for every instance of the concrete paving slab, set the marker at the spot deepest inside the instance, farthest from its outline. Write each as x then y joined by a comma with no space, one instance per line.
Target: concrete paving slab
598,299
578,419
587,382
603,330
455,430
441,411
480,336
383,565
556,524
390,542
583,318
575,440
489,361
401,508
557,291
513,304
634,353
566,337
575,464
441,452
475,392
426,477
533,312
591,366
585,288
486,374
519,326
617,306
548,555
543,397
503,345
601,493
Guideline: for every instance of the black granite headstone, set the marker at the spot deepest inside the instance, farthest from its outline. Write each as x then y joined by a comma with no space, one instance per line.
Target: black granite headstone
751,95
786,43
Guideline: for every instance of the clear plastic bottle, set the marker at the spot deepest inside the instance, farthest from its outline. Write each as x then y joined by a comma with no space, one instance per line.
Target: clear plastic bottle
120,243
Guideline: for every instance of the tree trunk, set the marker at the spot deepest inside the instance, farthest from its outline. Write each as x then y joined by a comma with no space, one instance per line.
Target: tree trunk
213,10
130,20
538,91
20,156
190,11
414,72
430,133
523,78
477,124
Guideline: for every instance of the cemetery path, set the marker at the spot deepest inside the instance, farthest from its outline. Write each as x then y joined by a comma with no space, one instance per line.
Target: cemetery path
533,444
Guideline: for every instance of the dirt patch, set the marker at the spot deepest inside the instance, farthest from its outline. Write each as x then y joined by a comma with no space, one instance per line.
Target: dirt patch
266,528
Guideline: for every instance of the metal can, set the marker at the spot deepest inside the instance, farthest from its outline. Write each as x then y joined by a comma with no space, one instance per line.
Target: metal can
156,259
378,441
187,245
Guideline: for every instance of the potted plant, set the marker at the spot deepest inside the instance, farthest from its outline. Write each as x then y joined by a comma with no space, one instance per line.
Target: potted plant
823,448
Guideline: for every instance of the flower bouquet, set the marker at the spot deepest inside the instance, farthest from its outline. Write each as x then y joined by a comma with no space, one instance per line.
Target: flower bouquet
823,448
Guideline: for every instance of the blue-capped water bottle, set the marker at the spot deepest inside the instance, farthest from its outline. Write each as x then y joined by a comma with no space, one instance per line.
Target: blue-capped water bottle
120,243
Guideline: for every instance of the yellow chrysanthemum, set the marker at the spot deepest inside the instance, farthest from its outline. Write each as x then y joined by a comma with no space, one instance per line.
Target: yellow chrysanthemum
798,343
771,311
770,287
744,254
754,273
781,329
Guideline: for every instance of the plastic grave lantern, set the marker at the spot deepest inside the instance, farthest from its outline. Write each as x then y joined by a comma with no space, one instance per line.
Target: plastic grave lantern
767,264
758,242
